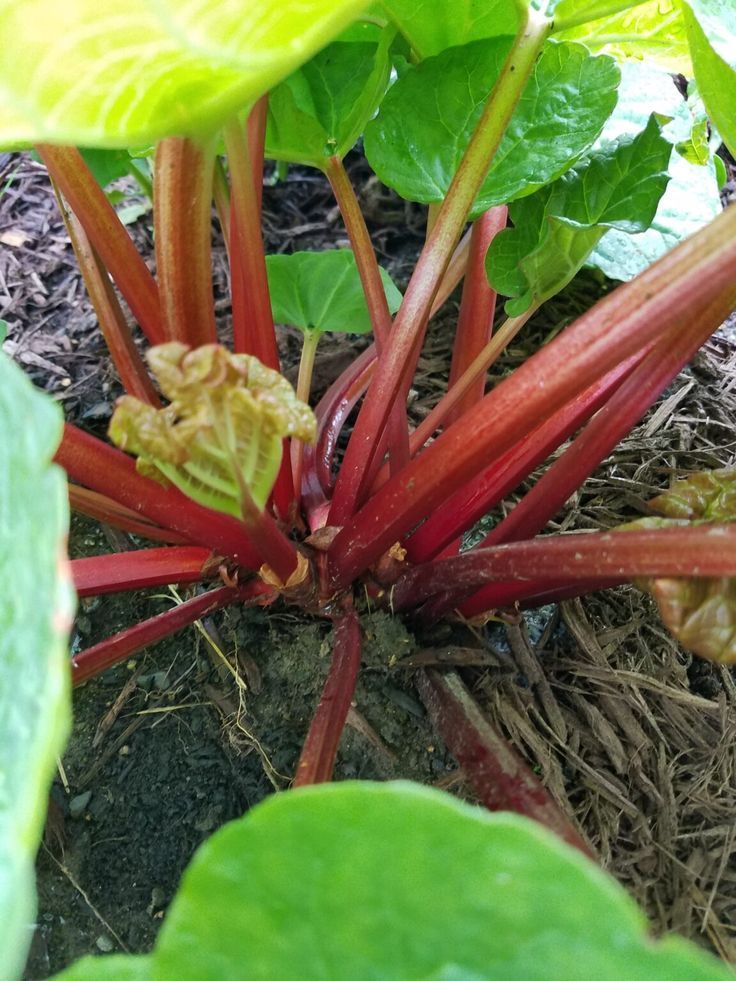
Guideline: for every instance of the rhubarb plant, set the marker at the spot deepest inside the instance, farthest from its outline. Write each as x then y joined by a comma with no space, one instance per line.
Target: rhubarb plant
539,142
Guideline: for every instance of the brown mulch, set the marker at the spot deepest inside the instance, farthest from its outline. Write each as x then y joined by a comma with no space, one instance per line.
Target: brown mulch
633,737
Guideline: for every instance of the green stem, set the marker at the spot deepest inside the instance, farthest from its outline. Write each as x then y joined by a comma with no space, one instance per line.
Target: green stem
303,388
143,179
398,361
597,13
221,194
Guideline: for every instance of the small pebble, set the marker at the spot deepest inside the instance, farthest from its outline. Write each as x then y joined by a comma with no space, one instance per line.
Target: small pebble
78,804
104,943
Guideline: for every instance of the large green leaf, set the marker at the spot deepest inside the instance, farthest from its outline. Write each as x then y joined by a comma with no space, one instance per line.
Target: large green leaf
691,199
322,108
125,72
430,26
321,291
36,605
654,31
417,141
711,30
397,881
554,231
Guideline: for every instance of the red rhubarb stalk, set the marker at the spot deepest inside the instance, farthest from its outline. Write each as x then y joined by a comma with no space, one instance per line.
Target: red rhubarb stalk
124,644
108,471
399,359
102,508
467,505
135,570
182,202
502,781
704,550
108,235
320,747
697,273
477,307
110,316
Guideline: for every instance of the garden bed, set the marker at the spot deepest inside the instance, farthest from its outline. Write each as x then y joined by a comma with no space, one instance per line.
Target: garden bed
632,737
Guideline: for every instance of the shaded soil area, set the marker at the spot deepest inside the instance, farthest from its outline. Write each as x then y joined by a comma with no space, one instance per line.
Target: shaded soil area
633,737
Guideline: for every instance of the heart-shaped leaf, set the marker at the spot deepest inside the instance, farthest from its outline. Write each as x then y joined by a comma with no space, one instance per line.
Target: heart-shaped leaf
36,605
321,291
322,108
426,119
126,72
371,881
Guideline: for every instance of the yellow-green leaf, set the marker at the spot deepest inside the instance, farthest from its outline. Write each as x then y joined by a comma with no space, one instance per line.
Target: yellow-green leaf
125,72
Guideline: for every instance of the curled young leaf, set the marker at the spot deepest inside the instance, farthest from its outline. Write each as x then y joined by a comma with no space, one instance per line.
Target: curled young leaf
706,496
699,611
220,439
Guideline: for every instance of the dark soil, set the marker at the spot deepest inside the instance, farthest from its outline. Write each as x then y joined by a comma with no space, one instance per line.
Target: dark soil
634,739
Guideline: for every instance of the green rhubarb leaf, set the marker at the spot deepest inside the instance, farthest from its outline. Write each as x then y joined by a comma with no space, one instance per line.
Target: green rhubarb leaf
619,186
691,199
711,31
116,967
654,31
372,881
220,439
321,109
706,496
106,165
430,26
426,119
321,291
126,72
36,606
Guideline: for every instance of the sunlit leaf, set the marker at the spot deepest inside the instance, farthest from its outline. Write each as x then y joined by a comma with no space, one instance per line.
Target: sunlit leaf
125,72
417,141
397,881
654,31
711,30
221,436
36,605
321,291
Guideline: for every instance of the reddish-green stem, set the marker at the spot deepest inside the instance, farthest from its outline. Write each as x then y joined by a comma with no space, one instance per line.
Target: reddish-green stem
375,294
257,120
253,329
477,308
668,295
303,387
110,316
566,559
182,218
463,508
94,660
501,780
104,509
317,760
136,570
108,236
398,360
106,470
221,194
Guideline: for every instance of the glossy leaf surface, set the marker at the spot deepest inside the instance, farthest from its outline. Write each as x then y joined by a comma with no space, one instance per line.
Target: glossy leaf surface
36,605
221,437
321,291
430,26
127,72
555,230
426,119
321,109
367,881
